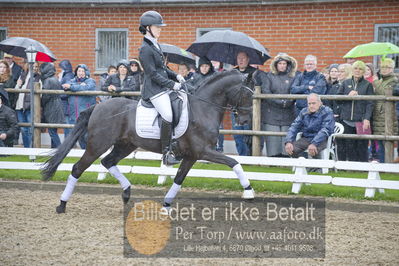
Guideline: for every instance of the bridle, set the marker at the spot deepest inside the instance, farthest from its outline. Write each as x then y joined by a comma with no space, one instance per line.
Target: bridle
234,109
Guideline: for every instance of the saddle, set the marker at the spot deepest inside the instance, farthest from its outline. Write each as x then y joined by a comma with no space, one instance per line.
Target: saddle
176,102
148,120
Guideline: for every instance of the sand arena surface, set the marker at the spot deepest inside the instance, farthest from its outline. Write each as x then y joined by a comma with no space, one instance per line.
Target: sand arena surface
91,233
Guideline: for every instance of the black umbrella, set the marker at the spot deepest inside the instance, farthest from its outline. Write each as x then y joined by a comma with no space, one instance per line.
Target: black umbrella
224,45
17,46
176,54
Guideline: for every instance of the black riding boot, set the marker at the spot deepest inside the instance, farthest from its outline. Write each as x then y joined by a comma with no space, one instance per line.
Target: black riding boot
166,136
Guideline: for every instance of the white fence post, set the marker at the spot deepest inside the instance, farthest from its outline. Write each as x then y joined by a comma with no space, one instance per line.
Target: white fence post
299,171
370,192
162,178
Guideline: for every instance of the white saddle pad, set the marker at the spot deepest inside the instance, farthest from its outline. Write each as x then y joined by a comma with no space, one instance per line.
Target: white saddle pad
147,122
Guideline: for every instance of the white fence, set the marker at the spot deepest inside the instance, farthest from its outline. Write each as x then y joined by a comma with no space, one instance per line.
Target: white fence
298,178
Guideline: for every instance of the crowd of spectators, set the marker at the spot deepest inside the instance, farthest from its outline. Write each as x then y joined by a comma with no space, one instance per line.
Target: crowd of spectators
278,115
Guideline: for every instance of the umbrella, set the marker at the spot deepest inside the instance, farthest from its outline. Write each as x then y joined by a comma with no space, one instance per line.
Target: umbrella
17,45
373,48
176,54
224,45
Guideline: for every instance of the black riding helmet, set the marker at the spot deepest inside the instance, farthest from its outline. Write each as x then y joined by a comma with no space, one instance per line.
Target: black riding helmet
150,18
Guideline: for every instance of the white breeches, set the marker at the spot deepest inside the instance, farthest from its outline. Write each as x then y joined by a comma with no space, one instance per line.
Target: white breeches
161,102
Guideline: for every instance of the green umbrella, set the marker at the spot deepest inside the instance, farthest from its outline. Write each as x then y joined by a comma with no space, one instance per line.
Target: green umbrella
373,48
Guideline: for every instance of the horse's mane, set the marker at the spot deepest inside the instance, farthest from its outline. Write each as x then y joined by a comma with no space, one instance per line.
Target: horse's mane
216,77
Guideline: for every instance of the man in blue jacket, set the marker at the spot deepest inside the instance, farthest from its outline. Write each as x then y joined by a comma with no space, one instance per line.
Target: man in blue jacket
316,122
310,81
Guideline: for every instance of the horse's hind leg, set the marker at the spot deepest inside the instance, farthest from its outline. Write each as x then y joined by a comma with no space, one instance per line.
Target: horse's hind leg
89,156
120,151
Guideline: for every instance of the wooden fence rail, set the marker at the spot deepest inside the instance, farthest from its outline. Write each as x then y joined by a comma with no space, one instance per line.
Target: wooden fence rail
389,137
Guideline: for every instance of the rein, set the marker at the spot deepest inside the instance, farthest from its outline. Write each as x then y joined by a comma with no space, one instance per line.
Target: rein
233,109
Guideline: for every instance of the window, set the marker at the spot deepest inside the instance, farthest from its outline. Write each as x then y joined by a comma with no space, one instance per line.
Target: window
3,36
387,33
111,46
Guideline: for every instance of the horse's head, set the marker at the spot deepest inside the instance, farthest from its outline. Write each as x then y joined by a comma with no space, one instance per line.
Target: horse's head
241,99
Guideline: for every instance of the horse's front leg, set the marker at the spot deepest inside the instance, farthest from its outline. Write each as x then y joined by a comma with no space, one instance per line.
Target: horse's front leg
217,157
185,166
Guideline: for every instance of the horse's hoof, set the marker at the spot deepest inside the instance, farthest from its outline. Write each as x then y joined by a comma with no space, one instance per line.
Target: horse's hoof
248,194
126,195
61,208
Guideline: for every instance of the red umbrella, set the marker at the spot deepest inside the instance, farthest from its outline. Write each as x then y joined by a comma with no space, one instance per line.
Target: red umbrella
17,45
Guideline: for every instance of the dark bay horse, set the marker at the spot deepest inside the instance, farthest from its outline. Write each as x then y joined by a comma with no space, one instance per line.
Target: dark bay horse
112,123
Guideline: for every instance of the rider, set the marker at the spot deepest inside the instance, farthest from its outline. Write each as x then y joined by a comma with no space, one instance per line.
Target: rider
158,79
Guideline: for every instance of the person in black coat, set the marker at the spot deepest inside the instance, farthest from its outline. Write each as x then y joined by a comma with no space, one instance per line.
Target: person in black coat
205,70
158,79
15,68
7,82
137,72
356,111
65,76
121,81
8,121
51,103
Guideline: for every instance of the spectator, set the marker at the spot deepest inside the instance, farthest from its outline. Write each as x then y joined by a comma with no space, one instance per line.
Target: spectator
205,70
7,81
121,81
15,68
243,143
326,72
23,101
356,111
103,77
384,86
184,70
51,103
316,122
137,72
78,103
370,74
8,121
344,73
218,66
278,114
64,77
310,81
332,88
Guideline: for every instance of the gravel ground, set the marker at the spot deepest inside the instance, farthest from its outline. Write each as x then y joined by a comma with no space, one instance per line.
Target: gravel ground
91,233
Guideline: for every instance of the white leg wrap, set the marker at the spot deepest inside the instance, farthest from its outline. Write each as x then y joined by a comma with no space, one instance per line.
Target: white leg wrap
174,189
241,176
71,182
114,171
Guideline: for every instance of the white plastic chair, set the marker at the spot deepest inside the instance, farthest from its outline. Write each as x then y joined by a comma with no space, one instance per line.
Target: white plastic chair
331,148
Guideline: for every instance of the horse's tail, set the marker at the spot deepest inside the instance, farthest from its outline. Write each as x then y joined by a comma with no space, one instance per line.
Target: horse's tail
51,165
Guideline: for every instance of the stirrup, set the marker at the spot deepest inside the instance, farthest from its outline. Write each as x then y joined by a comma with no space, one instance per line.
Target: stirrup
169,159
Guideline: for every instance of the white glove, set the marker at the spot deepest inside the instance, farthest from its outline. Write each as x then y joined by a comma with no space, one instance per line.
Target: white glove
180,78
177,86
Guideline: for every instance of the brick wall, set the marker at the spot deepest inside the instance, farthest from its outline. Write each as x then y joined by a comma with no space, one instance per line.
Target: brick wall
325,30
